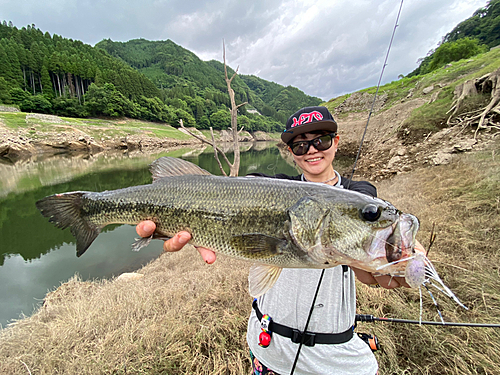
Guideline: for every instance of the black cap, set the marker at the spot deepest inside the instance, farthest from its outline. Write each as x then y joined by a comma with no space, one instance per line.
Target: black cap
306,120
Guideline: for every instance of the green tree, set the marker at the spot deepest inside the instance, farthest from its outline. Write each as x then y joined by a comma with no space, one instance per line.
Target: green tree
203,123
17,95
4,92
69,107
220,120
46,83
187,118
17,75
36,103
5,67
108,101
454,51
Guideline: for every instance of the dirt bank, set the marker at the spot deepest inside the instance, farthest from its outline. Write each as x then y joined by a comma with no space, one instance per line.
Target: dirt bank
36,134
388,150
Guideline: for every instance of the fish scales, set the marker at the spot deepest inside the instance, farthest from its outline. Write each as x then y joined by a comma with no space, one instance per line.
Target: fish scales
213,209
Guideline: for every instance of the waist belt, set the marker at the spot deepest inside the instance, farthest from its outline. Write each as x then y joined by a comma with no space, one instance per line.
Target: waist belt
308,338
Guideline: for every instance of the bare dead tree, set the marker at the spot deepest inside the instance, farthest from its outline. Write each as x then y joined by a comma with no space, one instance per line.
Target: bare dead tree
234,167
213,144
484,117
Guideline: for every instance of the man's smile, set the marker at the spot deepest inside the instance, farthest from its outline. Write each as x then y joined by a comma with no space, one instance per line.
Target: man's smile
314,159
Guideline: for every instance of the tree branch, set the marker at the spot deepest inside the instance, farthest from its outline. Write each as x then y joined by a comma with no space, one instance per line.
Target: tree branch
215,153
241,105
205,141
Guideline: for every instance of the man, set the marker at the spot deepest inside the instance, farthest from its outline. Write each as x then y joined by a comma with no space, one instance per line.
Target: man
311,136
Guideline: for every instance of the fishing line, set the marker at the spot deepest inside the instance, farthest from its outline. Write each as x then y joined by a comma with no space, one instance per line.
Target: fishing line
307,323
349,181
375,96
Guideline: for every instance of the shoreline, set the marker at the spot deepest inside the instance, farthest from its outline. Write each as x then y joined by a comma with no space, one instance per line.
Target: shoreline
52,135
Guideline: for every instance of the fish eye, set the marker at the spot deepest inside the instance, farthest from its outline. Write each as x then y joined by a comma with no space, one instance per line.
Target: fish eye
371,212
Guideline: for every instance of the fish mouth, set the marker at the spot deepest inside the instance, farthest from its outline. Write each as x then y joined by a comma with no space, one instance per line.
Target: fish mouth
395,243
401,242
392,251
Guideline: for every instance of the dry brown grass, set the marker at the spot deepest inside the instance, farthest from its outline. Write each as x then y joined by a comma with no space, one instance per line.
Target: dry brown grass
462,199
182,317
186,317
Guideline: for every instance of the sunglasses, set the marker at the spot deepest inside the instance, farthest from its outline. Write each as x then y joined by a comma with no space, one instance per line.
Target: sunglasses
320,143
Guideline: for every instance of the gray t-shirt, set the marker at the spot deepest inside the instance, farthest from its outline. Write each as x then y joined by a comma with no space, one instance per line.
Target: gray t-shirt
288,302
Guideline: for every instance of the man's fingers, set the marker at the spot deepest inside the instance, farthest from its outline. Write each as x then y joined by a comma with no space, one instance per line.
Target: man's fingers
207,254
145,228
385,281
177,242
391,282
364,276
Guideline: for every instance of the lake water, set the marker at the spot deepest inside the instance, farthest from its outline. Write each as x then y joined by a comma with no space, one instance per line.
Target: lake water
36,257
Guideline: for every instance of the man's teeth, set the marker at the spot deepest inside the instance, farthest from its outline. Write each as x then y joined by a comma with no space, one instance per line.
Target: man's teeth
315,159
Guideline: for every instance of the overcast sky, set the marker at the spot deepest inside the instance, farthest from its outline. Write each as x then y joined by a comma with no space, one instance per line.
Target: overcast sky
326,48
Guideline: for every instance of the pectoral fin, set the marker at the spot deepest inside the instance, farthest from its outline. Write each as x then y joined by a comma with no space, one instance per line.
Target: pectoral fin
257,245
139,243
262,278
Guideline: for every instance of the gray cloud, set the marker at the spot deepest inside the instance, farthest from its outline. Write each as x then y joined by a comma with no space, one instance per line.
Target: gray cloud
325,48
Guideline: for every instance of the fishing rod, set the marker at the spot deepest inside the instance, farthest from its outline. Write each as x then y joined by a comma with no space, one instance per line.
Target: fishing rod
375,96
349,181
370,319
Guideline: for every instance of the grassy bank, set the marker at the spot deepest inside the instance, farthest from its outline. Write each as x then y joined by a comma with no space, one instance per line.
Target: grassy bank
40,126
462,200
186,317
182,317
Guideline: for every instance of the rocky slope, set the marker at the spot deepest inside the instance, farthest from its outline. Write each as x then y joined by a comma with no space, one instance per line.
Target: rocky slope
387,151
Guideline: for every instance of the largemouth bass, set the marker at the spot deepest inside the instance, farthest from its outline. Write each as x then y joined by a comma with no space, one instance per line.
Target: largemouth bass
274,223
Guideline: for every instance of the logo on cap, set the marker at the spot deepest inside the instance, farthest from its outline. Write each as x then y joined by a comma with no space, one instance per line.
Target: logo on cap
305,118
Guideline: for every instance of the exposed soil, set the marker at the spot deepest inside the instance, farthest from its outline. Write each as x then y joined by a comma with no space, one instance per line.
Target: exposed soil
389,148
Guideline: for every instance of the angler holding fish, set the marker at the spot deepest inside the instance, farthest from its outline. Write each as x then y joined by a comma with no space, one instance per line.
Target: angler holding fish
311,134
302,232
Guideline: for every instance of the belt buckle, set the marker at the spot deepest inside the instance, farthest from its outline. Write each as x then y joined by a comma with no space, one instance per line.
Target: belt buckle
309,338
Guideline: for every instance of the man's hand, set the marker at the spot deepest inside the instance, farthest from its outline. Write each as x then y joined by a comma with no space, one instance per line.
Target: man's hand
385,281
146,229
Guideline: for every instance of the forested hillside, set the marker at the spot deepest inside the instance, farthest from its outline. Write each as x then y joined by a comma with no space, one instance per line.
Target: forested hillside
475,35
179,72
156,81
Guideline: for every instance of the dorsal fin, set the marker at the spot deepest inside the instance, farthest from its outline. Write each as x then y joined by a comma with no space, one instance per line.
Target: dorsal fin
167,166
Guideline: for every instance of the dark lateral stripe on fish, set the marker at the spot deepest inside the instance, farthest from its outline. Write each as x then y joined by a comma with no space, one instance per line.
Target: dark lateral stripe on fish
64,210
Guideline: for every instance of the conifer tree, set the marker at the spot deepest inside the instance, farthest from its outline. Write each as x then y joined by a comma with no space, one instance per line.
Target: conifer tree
46,84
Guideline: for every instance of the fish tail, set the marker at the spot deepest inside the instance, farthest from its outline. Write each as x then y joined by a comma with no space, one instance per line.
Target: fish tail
65,210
